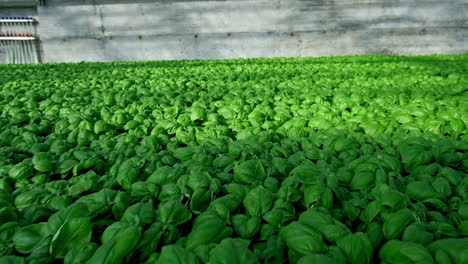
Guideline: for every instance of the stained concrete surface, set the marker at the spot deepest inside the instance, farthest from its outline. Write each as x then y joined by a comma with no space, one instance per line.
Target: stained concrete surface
120,30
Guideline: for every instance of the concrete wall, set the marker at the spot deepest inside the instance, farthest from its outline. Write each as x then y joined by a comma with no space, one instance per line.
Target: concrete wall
17,3
116,30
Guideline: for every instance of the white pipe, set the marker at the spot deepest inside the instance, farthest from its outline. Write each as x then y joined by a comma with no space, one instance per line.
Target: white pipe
14,53
27,46
7,50
30,29
20,53
35,52
17,53
17,38
6,29
24,52
17,20
29,51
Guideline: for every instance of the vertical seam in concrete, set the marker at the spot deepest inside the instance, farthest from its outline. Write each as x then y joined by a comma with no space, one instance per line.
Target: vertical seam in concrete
277,33
465,11
100,36
298,28
103,33
101,17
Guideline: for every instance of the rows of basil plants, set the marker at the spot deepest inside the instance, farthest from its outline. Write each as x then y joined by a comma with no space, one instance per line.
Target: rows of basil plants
316,160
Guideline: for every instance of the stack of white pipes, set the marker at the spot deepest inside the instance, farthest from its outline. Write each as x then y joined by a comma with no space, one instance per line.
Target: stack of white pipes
17,37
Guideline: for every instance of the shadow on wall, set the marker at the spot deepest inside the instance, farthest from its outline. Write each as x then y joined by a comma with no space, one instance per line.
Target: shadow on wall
99,30
175,33
3,58
116,2
418,33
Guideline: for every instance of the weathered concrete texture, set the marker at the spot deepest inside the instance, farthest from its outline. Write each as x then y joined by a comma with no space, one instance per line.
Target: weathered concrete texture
119,30
17,11
17,3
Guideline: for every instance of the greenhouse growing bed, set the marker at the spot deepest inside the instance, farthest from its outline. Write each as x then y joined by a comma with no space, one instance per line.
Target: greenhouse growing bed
311,160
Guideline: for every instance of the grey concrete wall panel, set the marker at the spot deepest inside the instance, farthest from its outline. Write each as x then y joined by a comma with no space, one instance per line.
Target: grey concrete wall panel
3,56
17,3
17,11
74,50
122,30
69,22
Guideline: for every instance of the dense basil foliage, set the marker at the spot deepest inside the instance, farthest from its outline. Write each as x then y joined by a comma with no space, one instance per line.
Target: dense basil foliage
326,160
